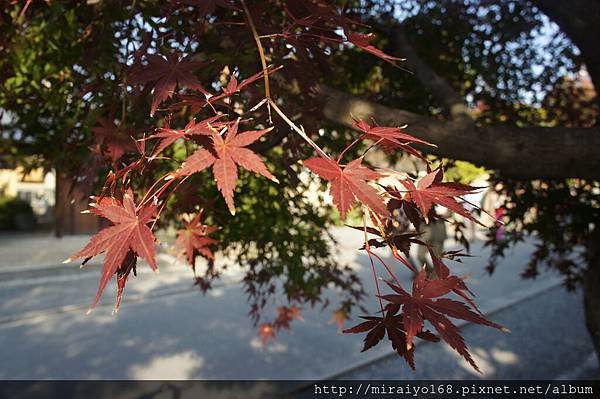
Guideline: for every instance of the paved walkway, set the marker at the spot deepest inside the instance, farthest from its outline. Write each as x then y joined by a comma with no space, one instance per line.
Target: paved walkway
20,251
167,329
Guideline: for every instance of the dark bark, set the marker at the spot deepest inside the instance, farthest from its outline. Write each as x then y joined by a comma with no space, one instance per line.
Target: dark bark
522,153
591,291
59,209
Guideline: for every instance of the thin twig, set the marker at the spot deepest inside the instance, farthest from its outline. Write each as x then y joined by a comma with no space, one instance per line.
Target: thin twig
23,11
261,51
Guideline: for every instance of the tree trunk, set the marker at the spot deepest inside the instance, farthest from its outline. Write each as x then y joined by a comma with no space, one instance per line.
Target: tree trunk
579,20
59,208
591,291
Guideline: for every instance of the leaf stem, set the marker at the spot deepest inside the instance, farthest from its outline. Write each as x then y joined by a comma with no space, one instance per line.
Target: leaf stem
390,272
301,132
371,146
147,195
368,248
348,147
394,250
165,200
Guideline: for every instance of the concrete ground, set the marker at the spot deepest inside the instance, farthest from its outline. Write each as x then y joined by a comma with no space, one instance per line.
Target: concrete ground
167,330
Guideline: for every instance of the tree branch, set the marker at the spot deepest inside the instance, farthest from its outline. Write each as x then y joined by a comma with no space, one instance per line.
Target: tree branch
441,90
526,153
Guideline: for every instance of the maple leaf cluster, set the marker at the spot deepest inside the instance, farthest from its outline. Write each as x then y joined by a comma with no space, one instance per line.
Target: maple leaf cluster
395,206
405,315
165,74
285,316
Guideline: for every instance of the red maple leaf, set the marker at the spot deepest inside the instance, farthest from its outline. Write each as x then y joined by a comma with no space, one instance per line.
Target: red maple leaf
192,239
391,324
168,135
229,152
233,86
363,41
128,265
266,331
285,315
429,190
392,134
129,232
339,317
400,240
196,103
405,207
113,141
422,305
348,184
442,272
167,73
390,138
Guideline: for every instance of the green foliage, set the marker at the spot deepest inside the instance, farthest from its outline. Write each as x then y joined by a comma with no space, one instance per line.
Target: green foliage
10,209
278,235
462,171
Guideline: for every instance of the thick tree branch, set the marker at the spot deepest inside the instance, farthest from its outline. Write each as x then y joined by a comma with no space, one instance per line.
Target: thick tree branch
441,90
525,153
